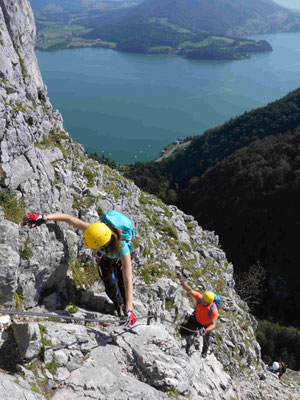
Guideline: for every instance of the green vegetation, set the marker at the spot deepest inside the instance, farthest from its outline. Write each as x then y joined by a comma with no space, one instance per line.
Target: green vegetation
175,394
35,388
214,146
245,325
55,35
103,160
43,332
279,343
135,242
55,140
83,275
72,308
157,28
218,337
185,248
170,230
160,50
169,305
41,384
59,25
100,211
27,252
52,366
222,48
17,106
19,298
238,179
80,201
112,183
89,174
22,66
151,271
14,209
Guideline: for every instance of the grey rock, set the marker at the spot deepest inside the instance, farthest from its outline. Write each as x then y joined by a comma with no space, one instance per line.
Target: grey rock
11,390
75,360
9,235
242,348
16,172
62,374
233,337
28,338
61,357
104,361
28,375
9,261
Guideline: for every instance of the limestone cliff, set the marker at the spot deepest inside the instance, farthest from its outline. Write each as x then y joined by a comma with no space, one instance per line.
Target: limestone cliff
48,268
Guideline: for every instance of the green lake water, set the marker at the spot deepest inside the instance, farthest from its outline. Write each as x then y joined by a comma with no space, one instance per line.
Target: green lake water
130,106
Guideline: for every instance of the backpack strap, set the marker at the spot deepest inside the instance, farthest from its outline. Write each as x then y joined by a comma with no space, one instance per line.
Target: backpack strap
199,301
98,262
212,307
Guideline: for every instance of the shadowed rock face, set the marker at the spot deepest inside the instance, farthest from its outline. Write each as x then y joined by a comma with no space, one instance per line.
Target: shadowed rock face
18,62
44,168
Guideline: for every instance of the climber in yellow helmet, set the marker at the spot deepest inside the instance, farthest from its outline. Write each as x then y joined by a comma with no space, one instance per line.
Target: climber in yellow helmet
203,320
111,238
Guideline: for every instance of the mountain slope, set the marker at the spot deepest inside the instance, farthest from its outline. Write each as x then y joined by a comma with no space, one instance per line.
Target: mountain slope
48,268
71,6
252,200
182,26
216,144
198,29
242,180
226,17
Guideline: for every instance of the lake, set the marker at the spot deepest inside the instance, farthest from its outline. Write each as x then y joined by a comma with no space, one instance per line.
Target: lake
130,106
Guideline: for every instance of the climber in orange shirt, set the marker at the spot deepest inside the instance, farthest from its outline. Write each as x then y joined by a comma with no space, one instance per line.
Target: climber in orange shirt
204,318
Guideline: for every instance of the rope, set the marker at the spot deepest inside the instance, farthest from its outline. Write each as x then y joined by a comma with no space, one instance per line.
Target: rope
100,321
180,326
69,317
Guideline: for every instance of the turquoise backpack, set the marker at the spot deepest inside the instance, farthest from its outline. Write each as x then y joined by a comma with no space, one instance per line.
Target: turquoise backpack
121,222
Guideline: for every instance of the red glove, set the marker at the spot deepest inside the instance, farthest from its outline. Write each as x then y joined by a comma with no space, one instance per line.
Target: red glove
131,318
35,219
203,332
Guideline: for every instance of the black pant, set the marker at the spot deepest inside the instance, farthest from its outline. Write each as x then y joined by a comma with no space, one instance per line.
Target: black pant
111,274
191,325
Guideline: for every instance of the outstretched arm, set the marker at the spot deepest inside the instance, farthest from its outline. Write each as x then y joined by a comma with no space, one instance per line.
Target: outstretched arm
69,219
34,219
188,289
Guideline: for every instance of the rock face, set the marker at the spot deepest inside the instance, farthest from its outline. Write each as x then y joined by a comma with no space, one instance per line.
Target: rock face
44,170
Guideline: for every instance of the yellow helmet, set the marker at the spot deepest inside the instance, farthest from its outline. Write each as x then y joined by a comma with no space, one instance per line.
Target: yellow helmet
96,235
209,297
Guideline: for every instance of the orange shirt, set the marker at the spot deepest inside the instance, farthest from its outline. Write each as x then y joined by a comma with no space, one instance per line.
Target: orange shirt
202,312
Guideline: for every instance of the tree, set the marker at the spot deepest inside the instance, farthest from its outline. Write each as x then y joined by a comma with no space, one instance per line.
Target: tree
250,284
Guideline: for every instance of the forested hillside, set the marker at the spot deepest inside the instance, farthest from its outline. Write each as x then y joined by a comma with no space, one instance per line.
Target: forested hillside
214,16
242,180
196,29
72,6
171,176
251,199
